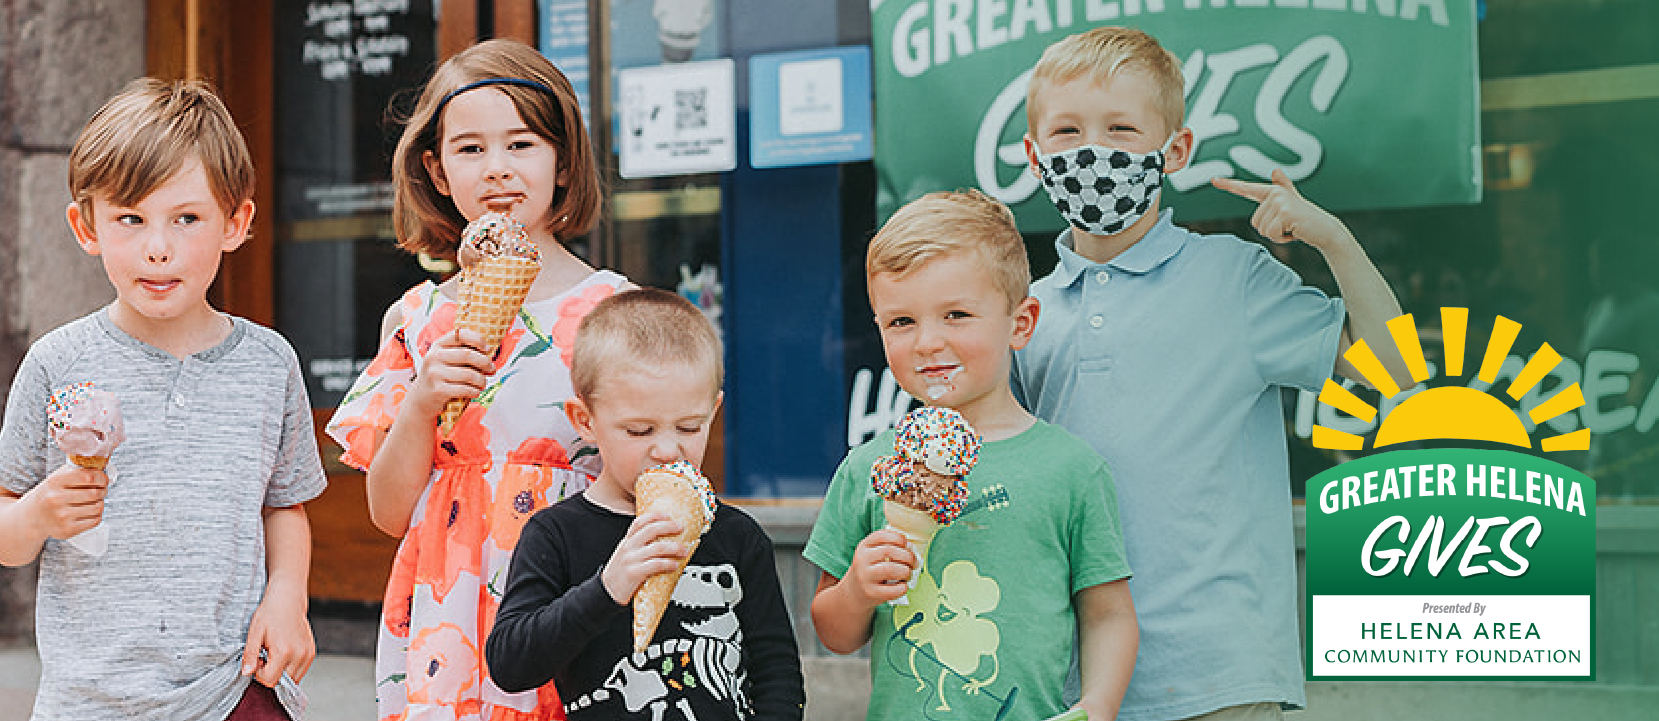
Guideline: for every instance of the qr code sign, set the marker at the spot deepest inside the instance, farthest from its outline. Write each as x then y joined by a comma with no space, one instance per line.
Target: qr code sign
691,109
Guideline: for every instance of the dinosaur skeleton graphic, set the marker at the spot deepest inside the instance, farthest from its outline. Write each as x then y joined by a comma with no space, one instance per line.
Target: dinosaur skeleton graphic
659,678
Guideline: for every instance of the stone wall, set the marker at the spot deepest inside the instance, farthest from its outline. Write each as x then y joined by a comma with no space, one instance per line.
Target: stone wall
58,62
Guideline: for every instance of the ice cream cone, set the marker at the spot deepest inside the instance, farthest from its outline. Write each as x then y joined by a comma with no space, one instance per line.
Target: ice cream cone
95,463
917,527
492,291
85,423
686,498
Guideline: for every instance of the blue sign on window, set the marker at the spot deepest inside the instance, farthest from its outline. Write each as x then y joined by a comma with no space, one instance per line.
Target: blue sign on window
809,107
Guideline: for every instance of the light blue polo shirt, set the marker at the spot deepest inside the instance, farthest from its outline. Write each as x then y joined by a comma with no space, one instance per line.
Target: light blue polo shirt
1167,360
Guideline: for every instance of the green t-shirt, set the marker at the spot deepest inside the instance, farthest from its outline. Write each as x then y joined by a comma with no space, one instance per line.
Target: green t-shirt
988,629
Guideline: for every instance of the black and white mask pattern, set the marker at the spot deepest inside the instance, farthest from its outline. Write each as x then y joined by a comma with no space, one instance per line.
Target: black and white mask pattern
1102,190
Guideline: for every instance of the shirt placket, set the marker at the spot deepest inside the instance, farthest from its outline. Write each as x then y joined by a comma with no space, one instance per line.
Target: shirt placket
1098,283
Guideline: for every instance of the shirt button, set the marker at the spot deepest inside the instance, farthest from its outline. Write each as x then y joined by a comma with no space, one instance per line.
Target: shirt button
1097,321
178,400
1102,276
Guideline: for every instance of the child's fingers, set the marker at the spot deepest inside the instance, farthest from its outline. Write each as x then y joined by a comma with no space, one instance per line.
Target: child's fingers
651,527
889,591
88,513
655,565
301,665
1254,192
1273,226
884,536
895,553
469,338
271,667
885,563
1283,181
73,476
456,355
250,652
460,347
659,547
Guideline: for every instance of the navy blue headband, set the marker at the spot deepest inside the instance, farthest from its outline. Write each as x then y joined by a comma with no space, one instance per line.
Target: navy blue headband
439,111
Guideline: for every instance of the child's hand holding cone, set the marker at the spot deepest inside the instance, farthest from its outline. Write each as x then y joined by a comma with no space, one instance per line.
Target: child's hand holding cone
922,485
881,568
85,422
649,548
500,263
674,507
70,501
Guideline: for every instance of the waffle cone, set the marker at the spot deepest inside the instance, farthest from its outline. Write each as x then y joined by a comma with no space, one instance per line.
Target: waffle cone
675,496
95,463
492,291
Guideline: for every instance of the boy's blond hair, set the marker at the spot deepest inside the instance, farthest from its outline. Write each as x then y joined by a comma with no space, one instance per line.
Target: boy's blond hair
1099,54
144,134
946,223
427,221
645,327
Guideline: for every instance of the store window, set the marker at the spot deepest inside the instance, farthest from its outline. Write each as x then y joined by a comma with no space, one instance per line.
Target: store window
765,252
340,67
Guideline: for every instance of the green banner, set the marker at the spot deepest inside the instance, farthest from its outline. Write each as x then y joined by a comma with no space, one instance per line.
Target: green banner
1451,563
1365,105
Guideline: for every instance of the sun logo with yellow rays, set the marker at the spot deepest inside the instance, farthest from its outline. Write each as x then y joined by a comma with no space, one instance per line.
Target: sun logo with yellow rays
1451,412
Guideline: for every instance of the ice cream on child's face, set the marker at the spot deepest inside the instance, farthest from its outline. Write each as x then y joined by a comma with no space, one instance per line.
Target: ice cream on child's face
939,379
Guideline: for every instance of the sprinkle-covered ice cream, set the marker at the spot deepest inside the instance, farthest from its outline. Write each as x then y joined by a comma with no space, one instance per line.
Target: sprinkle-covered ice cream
85,423
494,234
935,448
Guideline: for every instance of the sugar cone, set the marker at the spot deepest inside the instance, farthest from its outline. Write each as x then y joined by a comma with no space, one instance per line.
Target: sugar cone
492,291
672,493
918,528
95,463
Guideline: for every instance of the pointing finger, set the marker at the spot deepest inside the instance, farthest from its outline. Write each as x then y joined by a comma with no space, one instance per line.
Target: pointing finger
1283,181
1254,192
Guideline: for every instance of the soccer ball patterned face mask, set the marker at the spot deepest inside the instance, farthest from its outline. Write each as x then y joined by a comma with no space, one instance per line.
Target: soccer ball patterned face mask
1101,190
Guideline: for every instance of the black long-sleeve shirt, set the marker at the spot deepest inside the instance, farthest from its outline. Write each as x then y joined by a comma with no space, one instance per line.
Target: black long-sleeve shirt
724,649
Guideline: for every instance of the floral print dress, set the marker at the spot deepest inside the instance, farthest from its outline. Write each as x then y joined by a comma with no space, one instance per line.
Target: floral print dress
512,453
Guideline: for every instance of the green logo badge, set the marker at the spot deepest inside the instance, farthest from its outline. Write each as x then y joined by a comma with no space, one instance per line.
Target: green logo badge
1451,562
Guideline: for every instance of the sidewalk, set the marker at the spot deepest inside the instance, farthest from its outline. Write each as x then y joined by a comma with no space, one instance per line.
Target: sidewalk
341,687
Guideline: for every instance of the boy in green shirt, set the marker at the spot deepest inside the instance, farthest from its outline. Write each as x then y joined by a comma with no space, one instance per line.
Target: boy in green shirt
1035,562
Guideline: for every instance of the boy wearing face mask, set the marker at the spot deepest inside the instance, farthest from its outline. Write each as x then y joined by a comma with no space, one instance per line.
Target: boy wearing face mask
1165,350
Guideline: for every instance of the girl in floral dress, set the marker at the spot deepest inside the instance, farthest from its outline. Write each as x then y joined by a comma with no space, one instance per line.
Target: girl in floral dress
496,128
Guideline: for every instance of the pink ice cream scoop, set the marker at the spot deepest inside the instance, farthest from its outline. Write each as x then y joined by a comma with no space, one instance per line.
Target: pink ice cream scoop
85,423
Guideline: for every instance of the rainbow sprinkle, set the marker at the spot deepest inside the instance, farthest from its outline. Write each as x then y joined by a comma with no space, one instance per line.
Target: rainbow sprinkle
896,479
63,401
934,435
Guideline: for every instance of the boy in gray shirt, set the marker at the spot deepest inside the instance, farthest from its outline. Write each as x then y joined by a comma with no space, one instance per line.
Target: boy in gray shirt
203,584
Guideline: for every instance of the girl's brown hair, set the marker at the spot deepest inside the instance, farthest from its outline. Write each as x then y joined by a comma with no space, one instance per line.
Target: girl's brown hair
427,221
